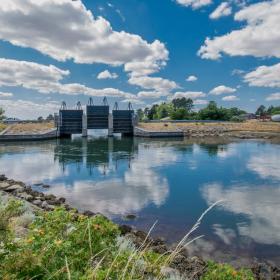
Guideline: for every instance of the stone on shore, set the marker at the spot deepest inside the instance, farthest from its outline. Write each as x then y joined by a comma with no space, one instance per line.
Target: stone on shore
4,185
17,188
37,202
3,177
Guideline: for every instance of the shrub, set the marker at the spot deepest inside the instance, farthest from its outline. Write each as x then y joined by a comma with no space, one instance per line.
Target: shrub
226,272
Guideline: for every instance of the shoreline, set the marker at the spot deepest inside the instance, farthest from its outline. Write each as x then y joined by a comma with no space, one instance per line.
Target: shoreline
184,263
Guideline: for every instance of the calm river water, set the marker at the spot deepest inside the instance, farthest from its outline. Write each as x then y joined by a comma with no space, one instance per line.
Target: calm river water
169,181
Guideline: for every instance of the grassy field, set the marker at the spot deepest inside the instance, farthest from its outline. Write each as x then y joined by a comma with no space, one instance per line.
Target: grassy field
253,125
2,126
30,128
63,245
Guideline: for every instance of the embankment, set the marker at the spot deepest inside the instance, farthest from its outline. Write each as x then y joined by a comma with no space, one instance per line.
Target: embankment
192,267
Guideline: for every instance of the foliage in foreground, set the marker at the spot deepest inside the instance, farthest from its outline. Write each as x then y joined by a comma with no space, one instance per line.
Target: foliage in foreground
226,272
63,245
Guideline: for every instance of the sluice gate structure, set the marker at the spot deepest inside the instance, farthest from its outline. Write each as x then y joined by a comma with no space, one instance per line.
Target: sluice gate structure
76,121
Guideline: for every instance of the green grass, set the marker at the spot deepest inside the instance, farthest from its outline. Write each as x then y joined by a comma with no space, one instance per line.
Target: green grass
226,272
64,245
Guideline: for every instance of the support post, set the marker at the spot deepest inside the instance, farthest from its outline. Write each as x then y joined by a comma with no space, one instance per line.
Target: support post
84,130
110,125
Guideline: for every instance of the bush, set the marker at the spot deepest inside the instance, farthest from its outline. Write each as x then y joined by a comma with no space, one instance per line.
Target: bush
226,272
64,245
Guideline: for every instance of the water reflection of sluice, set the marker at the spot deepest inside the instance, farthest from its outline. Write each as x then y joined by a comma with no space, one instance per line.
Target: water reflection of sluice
98,153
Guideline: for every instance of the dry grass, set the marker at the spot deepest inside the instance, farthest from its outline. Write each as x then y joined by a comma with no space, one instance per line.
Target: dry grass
252,125
2,126
30,128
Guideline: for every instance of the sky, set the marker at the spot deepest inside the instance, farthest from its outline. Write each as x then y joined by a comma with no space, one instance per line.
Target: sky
138,51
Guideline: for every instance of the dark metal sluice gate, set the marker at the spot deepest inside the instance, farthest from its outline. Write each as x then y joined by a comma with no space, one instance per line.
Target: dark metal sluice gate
97,117
71,121
123,121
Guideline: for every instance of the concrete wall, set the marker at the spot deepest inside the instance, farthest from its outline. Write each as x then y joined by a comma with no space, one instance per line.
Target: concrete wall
139,132
31,137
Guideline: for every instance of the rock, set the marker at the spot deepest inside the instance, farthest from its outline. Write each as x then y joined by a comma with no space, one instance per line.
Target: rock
4,185
46,206
3,177
62,200
169,273
160,249
125,229
13,188
50,197
159,241
54,202
26,196
141,234
88,213
130,217
37,202
38,184
265,271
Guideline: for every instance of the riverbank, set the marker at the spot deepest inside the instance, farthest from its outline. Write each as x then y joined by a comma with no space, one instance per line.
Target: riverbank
192,267
29,132
252,129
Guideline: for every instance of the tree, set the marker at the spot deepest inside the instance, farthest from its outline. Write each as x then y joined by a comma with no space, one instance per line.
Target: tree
50,117
140,114
152,112
183,103
261,111
2,116
40,119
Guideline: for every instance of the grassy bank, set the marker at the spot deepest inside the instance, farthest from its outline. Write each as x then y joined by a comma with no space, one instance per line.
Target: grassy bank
30,128
2,126
252,125
62,244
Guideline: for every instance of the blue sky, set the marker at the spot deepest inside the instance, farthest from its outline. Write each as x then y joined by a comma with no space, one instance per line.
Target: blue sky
138,51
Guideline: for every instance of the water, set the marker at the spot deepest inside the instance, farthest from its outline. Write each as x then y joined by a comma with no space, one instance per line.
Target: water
169,181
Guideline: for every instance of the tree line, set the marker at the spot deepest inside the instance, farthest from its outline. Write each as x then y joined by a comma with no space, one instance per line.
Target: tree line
183,109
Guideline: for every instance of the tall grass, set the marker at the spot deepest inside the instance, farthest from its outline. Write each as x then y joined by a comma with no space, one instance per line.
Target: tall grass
60,245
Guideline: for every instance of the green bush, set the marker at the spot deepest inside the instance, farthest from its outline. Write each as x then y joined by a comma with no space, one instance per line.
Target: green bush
64,245
217,271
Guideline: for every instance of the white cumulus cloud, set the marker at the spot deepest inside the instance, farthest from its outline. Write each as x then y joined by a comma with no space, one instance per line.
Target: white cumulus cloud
5,94
264,76
230,98
47,79
189,94
273,96
154,83
106,74
222,90
260,36
195,4
224,9
191,78
66,30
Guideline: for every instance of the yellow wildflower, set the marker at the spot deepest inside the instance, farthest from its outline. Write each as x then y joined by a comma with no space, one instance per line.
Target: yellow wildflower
58,242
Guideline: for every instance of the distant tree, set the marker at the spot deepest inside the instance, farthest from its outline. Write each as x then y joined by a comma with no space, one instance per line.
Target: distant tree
273,110
2,116
152,112
140,114
261,111
179,114
183,103
40,119
50,117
